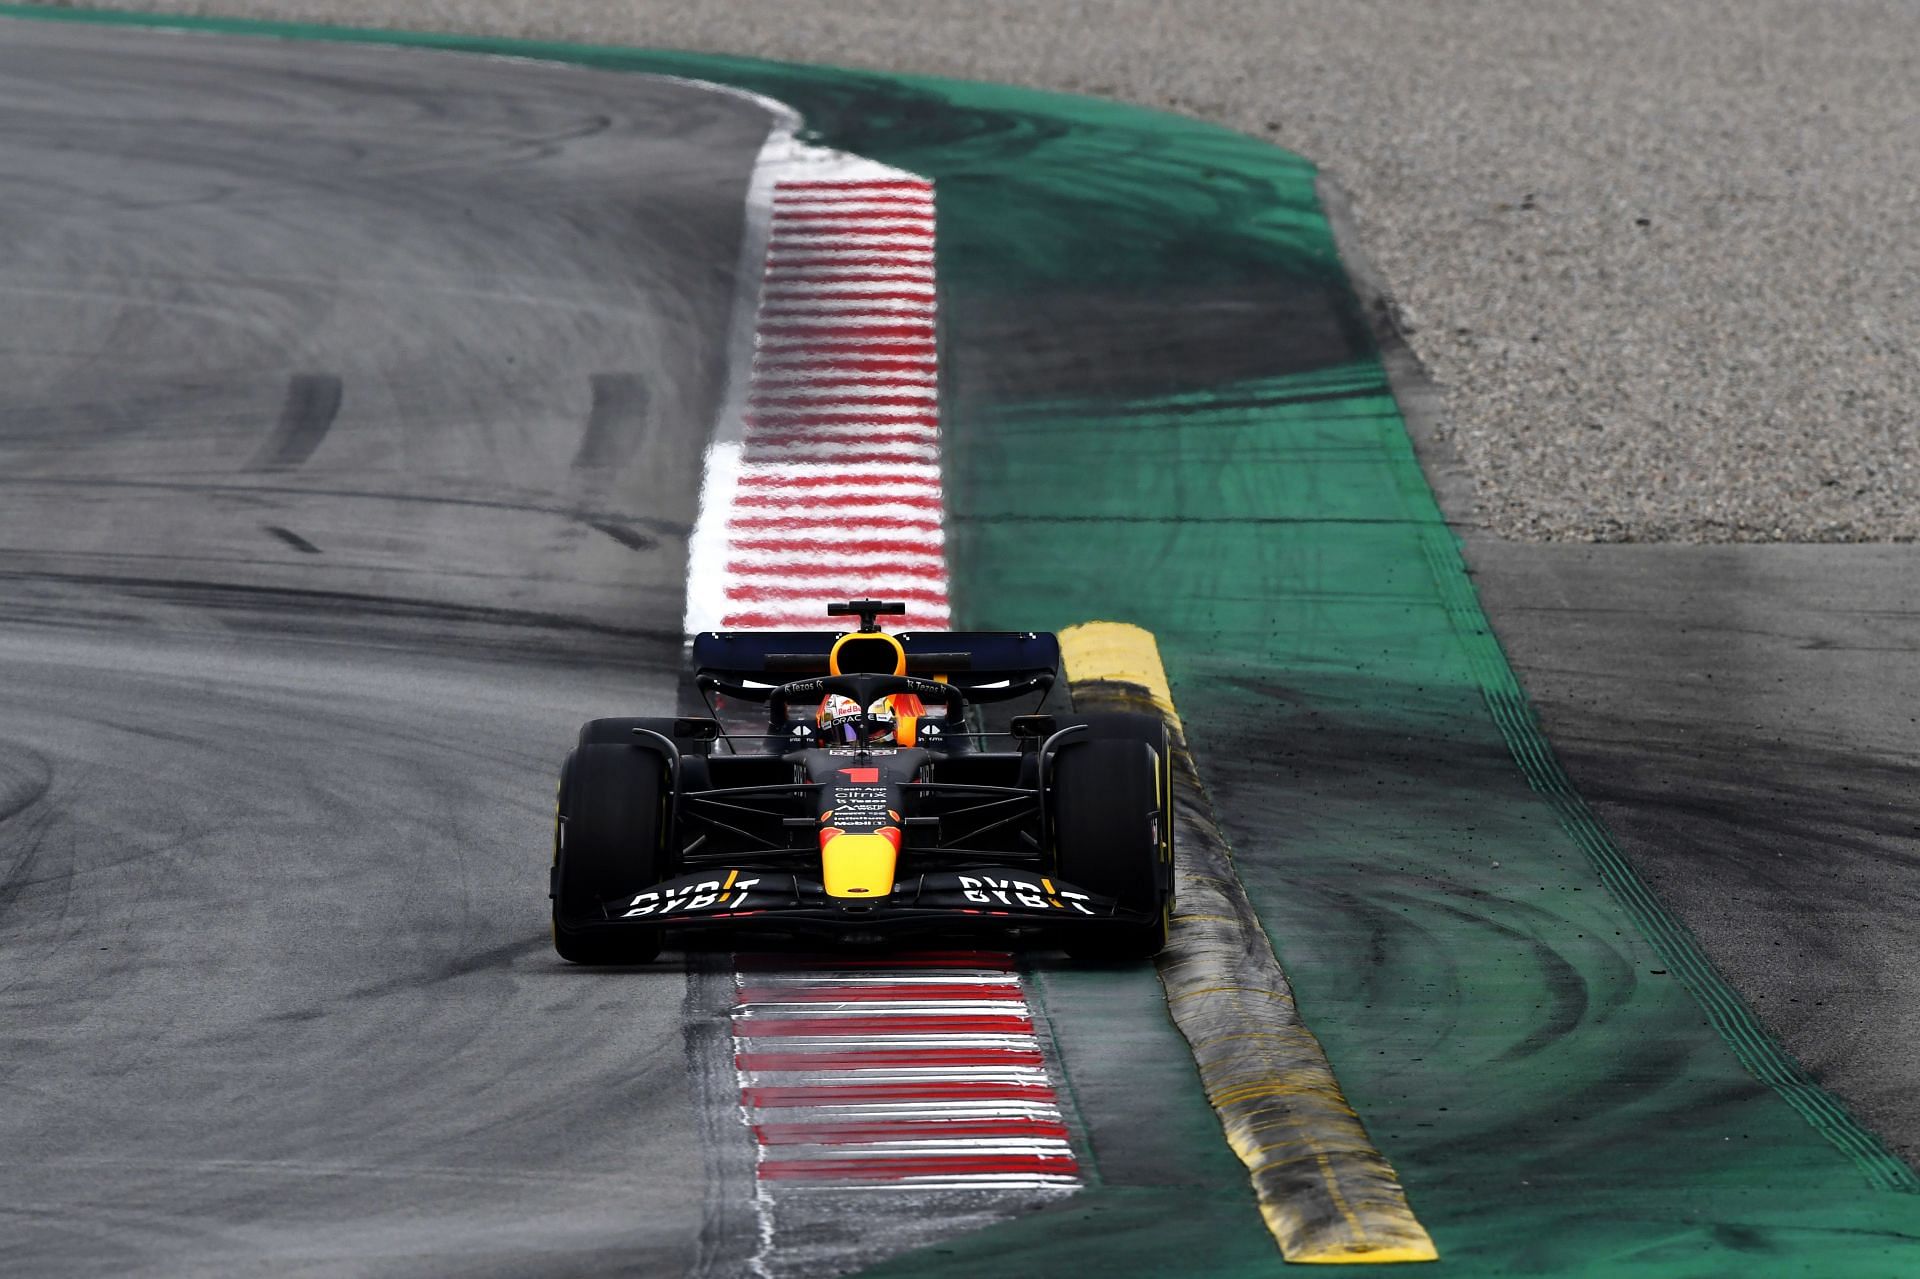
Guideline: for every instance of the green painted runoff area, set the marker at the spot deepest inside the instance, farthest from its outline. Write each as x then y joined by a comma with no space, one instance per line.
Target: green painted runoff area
1162,408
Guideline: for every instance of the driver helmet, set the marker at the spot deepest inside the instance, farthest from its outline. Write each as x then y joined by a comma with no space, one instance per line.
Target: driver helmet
838,721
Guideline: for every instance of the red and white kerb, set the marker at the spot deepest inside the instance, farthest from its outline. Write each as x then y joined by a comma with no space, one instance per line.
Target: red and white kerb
921,1072
835,493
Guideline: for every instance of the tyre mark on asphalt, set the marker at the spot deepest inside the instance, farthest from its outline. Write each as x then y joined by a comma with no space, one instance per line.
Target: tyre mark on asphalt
631,538
668,528
365,608
306,415
25,778
292,539
616,424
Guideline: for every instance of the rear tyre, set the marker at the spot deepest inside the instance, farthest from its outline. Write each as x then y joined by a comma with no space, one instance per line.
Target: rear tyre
1113,836
609,836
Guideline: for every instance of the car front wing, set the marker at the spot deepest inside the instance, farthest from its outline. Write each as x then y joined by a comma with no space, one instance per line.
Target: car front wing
989,899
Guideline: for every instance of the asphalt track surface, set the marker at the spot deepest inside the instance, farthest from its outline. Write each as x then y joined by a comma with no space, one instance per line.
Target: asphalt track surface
285,688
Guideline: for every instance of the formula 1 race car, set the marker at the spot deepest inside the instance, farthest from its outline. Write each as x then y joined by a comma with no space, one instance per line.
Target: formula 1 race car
869,804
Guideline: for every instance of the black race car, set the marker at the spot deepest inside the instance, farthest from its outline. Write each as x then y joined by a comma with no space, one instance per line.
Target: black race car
868,804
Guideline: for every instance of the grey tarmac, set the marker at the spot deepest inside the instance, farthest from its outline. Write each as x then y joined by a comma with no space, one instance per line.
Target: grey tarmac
351,414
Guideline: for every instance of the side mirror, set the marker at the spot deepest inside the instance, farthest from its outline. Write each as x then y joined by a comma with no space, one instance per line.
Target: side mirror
1033,726
695,729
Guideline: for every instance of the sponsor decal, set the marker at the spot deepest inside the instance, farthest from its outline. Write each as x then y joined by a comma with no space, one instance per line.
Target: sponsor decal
970,893
860,807
988,890
711,894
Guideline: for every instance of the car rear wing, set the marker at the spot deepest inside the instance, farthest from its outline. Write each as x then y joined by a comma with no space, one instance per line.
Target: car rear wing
970,660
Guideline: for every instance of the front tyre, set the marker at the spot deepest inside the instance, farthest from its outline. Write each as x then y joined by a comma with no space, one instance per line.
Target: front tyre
1113,835
609,835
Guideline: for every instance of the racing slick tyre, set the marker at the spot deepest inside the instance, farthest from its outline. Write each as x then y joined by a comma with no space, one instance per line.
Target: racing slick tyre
1113,836
609,834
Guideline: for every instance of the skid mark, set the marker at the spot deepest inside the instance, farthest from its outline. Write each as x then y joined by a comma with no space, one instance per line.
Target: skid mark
306,415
